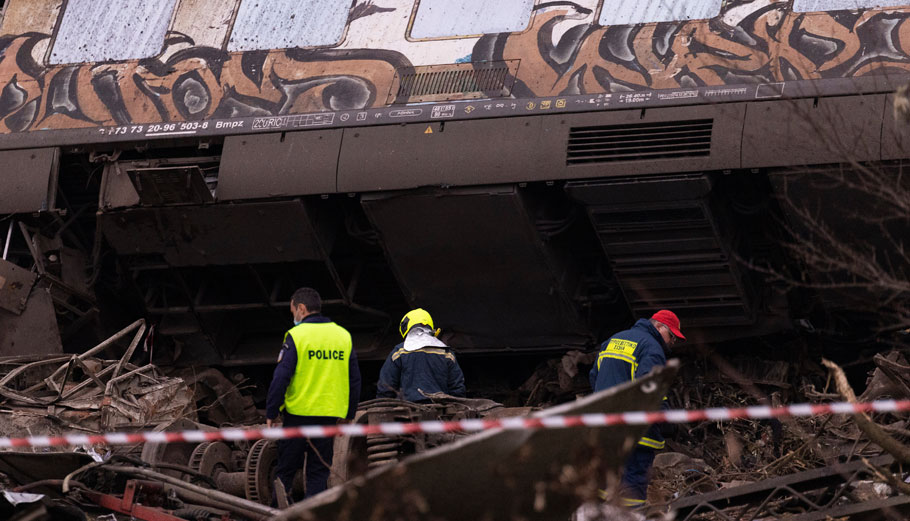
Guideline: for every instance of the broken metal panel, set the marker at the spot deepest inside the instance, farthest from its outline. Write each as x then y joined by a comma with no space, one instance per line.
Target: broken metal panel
15,285
279,165
176,181
117,191
34,331
120,30
448,18
29,180
279,24
498,285
207,22
266,232
651,11
500,471
670,247
170,185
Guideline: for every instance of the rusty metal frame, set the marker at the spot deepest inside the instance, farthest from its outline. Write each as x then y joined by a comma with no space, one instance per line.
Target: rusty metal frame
51,383
128,504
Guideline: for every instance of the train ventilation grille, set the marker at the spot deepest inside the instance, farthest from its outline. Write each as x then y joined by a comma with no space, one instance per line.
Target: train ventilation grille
454,81
639,142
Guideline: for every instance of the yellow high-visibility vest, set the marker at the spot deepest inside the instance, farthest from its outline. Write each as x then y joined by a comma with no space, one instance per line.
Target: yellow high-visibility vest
321,382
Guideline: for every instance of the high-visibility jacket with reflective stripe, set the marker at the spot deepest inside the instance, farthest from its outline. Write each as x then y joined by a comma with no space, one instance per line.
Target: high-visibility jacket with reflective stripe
320,385
429,369
628,355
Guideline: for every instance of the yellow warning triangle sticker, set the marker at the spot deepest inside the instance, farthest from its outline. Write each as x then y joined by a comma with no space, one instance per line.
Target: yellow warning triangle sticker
429,130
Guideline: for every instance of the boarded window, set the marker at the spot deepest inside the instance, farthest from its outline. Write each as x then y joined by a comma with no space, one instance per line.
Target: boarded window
93,31
805,6
629,12
280,24
453,18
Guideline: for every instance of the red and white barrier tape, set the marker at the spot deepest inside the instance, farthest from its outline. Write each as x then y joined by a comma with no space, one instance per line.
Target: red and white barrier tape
518,423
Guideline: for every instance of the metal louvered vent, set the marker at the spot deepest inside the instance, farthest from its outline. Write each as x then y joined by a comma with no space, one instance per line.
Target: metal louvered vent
639,142
454,81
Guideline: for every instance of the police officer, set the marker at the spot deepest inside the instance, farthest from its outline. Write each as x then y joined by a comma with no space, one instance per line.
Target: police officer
316,382
628,355
421,363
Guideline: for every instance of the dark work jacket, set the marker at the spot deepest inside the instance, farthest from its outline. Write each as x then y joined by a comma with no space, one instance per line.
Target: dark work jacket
430,369
287,366
628,355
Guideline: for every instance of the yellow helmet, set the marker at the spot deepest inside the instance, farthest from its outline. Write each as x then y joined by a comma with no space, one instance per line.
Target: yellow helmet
415,317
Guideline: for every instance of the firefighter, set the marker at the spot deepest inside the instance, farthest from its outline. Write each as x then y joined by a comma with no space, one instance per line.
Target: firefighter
316,382
421,362
628,355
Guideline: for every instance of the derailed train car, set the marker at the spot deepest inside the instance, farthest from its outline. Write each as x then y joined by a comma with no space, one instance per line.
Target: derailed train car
535,173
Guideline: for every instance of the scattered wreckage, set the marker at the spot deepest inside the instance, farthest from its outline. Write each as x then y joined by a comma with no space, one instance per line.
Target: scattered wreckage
85,393
806,469
219,480
499,474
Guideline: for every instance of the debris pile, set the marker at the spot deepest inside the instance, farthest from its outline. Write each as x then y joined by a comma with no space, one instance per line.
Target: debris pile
716,462
559,380
86,393
722,465
92,393
831,465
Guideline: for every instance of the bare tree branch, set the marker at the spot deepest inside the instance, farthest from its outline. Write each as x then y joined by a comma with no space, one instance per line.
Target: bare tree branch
871,429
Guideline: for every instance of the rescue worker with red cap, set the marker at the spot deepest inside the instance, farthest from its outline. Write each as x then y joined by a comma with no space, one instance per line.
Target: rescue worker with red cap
628,355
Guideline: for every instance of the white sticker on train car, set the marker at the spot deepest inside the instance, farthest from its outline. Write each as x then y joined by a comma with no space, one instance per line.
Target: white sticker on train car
649,11
807,6
112,30
455,18
281,24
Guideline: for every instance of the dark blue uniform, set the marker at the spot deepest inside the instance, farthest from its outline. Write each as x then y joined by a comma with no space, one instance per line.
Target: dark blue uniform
317,452
628,355
429,369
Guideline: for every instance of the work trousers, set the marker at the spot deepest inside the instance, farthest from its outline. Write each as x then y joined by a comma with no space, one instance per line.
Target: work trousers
316,452
634,491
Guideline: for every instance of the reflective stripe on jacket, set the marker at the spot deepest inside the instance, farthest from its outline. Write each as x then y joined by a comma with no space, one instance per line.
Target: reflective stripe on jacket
430,369
628,355
321,382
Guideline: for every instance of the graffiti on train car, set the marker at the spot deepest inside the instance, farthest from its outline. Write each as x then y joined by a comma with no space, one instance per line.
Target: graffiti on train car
563,53
767,44
193,84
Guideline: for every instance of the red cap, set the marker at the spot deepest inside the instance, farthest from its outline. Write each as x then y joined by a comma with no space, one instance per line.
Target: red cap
669,319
